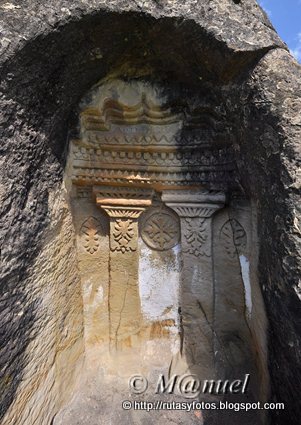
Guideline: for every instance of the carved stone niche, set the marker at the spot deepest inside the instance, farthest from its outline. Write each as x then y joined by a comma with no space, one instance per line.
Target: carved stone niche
149,177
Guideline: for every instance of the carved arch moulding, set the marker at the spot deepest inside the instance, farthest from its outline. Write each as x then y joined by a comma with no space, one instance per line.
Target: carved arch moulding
132,135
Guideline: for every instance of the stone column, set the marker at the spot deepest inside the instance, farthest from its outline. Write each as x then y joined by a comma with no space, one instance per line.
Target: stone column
195,209
123,206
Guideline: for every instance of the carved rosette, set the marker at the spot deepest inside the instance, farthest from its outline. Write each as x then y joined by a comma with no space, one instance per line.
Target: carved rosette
90,233
160,229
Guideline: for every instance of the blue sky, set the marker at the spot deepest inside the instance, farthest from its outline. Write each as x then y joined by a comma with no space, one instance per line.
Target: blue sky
285,16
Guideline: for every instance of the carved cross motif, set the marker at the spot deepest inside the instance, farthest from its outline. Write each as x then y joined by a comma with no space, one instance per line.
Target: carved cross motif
160,229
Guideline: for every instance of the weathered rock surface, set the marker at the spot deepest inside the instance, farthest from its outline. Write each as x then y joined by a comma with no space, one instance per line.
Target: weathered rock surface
51,54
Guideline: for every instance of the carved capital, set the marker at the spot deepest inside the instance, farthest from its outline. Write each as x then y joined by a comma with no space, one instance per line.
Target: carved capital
123,205
194,203
195,207
132,197
116,212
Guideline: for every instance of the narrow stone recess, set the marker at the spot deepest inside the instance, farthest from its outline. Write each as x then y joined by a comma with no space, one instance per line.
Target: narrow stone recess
148,179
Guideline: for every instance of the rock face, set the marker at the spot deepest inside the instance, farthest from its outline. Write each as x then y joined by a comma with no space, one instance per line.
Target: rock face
213,72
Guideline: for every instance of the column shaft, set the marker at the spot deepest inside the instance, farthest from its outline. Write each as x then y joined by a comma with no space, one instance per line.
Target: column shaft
195,209
124,206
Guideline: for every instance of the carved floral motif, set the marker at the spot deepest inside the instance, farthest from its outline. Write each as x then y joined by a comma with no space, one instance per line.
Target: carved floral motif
160,229
123,234
234,237
196,237
90,234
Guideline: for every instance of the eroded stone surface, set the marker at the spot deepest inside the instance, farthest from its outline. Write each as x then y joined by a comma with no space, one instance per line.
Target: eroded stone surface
55,346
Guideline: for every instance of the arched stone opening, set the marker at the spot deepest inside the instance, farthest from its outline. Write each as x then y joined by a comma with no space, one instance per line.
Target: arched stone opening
166,240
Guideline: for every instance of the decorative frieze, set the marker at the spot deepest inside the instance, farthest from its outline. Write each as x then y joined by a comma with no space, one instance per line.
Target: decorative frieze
162,179
173,155
95,139
147,143
137,137
153,163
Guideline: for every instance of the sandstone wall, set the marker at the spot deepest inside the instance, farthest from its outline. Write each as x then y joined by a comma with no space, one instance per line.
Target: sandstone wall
38,377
